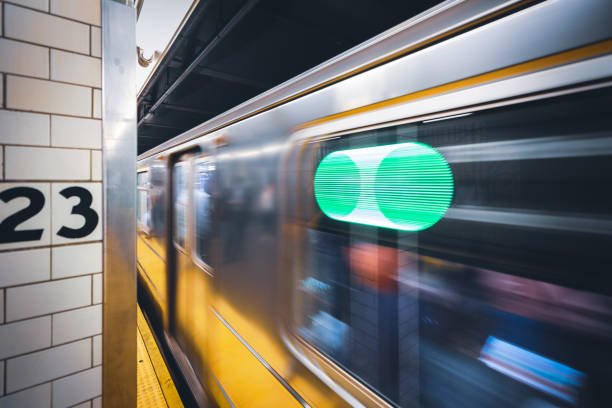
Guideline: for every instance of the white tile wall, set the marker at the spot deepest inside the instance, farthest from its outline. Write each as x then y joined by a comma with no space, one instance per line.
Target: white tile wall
78,387
75,260
42,220
27,266
39,163
35,368
46,132
24,128
97,103
76,132
75,68
36,397
96,41
97,289
48,297
45,29
25,336
42,96
77,324
87,11
17,57
62,207
97,350
96,165
37,4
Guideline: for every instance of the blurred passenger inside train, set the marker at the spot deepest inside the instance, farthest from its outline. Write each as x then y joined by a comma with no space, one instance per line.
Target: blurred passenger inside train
476,337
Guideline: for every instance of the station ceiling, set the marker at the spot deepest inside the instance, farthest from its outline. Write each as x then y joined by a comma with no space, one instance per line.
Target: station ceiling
228,51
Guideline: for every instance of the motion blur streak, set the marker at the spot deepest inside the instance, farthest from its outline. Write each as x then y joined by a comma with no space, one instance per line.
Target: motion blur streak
580,145
276,298
531,219
532,369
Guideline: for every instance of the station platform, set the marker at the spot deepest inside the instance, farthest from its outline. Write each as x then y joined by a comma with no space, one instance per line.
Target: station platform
156,388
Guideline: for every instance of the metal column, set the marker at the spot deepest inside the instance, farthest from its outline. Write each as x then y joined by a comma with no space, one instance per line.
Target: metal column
119,162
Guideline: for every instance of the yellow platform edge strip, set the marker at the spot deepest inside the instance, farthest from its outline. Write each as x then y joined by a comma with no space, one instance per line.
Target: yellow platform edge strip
168,389
149,393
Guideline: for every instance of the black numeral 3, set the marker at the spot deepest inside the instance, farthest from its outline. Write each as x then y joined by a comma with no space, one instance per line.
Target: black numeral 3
82,208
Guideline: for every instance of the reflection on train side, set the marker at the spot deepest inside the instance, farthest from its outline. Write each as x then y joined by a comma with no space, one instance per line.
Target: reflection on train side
502,303
392,317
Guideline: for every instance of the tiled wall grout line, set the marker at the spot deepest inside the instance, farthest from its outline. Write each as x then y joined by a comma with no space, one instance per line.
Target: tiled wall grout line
63,115
50,47
25,7
49,113
52,147
50,381
54,245
12,74
49,315
49,13
81,180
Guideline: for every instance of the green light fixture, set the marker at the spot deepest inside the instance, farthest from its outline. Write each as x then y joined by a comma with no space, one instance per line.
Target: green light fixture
405,186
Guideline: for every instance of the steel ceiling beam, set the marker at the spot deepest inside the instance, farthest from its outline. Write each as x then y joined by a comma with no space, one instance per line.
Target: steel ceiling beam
251,83
189,109
231,78
155,138
244,10
159,125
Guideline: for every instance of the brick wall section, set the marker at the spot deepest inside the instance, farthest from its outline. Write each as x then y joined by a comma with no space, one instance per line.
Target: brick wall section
51,139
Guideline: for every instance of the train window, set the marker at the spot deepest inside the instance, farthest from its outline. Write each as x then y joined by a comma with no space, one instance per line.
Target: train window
181,200
142,198
203,193
496,296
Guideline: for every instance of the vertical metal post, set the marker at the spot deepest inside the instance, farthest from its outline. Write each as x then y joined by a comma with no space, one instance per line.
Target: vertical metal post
119,161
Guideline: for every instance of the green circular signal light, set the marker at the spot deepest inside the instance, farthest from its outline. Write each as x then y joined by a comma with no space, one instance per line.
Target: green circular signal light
414,186
337,199
406,186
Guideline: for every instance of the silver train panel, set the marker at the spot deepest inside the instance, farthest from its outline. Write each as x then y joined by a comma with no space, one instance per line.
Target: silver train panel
244,292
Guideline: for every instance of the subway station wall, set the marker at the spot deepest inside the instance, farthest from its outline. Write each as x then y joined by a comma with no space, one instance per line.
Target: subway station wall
51,242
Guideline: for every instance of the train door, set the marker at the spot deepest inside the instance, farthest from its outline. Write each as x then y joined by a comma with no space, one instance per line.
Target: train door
179,247
193,198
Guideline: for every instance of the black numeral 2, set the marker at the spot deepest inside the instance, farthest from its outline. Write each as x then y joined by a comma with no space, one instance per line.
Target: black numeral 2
8,232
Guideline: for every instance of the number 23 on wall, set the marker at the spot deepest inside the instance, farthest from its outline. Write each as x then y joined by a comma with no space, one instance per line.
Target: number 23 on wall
36,214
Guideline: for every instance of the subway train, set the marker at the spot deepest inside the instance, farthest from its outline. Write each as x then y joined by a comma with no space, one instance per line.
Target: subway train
423,220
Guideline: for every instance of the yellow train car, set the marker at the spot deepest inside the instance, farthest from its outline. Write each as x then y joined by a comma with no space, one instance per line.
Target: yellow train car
421,221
